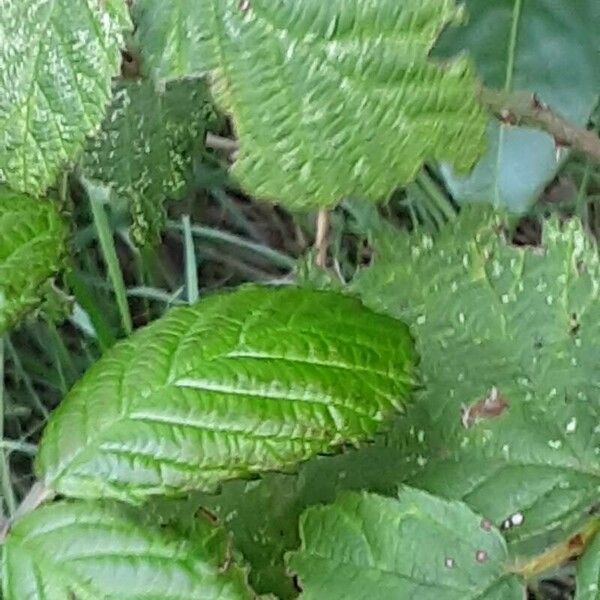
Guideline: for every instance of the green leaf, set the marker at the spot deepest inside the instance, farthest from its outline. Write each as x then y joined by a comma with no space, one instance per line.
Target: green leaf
32,243
57,59
92,551
509,42
416,546
329,99
588,572
263,515
145,149
241,383
508,420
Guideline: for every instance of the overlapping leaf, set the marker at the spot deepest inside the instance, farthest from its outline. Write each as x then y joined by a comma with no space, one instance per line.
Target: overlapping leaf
416,546
329,99
509,40
241,383
32,242
57,58
145,149
90,551
509,418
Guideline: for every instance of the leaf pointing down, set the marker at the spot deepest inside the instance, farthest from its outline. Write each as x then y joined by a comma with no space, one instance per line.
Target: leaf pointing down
329,99
241,383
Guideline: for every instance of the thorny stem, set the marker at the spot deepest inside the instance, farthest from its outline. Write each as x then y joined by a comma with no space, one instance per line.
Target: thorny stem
522,108
559,554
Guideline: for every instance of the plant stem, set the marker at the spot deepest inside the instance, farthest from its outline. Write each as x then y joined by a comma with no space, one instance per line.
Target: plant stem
98,196
322,237
7,490
522,108
191,266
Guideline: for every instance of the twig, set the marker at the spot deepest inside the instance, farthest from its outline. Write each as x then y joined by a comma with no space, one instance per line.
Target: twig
522,108
322,237
216,142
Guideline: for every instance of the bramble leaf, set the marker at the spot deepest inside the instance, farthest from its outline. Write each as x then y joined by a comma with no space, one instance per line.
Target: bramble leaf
508,41
57,59
88,551
329,99
145,149
508,420
32,243
241,383
415,546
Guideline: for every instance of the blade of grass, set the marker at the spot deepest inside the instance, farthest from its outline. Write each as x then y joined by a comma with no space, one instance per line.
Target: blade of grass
191,267
87,301
7,489
98,196
207,233
36,402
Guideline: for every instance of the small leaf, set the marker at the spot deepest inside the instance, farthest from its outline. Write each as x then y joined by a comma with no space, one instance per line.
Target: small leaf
588,572
145,149
416,546
263,515
32,242
508,419
329,99
241,383
90,551
57,59
564,74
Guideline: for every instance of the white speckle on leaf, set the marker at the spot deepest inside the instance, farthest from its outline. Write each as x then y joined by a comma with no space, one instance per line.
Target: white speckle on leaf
555,444
572,425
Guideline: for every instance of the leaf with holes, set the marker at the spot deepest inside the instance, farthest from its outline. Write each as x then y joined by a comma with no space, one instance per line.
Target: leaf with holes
509,417
415,546
57,59
241,383
329,99
32,243
509,42
84,550
145,149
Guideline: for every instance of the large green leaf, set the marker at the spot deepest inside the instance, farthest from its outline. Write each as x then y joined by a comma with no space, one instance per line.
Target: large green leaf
329,99
145,149
546,47
416,546
57,58
588,572
32,242
93,551
508,419
241,383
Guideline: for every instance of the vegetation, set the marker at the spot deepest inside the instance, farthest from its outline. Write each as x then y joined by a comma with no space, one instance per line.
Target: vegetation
299,299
